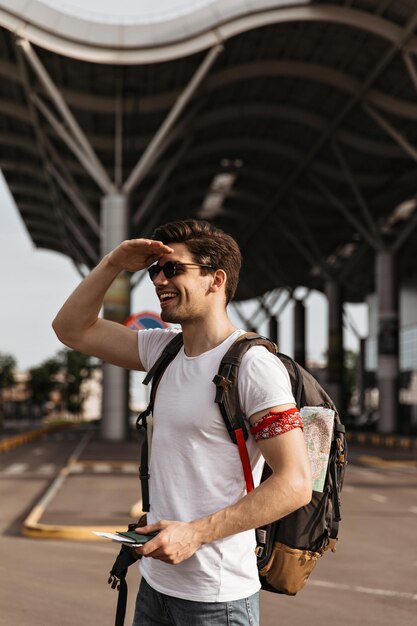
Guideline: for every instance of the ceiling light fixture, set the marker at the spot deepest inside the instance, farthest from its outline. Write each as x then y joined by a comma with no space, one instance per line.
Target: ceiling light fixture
219,189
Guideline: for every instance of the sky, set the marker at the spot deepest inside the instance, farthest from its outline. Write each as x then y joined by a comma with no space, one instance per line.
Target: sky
34,283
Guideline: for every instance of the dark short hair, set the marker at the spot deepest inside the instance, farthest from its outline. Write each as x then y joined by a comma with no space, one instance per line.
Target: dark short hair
208,245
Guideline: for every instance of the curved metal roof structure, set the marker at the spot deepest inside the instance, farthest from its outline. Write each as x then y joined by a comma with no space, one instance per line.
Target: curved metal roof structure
291,125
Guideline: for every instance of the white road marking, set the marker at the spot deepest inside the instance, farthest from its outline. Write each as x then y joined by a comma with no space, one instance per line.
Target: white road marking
366,590
46,469
76,468
102,468
15,468
130,468
374,474
378,498
38,451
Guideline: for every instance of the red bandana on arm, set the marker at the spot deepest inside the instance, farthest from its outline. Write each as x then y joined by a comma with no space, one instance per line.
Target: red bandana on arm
275,423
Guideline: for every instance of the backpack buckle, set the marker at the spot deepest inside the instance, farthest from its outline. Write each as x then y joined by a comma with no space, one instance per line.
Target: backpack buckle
341,453
114,581
259,551
222,381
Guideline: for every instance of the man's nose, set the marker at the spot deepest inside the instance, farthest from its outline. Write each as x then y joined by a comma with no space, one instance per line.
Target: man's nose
160,278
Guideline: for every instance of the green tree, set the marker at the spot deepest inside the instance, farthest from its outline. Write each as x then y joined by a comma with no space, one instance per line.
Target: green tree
7,379
77,368
65,372
43,379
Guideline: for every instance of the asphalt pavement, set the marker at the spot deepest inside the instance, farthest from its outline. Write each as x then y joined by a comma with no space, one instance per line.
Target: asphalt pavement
98,487
64,484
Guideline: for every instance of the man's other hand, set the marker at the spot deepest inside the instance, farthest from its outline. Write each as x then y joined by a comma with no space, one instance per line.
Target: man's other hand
175,542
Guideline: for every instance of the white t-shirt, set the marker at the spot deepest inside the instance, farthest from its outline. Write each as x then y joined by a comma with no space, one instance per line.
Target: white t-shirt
195,468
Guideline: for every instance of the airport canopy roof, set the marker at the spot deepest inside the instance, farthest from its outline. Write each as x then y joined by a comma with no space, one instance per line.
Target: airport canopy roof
292,125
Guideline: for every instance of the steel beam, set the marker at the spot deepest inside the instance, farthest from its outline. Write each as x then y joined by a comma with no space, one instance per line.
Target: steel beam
392,132
65,179
79,235
194,41
74,245
79,203
41,143
302,249
406,35
411,68
298,115
268,147
150,155
285,302
357,193
65,112
75,148
246,322
312,240
319,73
405,233
159,185
340,206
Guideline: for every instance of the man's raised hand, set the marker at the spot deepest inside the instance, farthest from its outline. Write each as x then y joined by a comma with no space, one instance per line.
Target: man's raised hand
137,254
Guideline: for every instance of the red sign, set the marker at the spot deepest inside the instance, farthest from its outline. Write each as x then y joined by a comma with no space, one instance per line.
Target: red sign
145,320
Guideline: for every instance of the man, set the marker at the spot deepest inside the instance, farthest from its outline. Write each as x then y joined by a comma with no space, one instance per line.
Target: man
200,569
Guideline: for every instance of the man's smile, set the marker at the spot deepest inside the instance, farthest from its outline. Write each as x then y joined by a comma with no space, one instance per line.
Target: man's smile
167,296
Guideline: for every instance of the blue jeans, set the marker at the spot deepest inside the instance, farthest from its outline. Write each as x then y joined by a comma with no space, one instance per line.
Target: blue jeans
157,609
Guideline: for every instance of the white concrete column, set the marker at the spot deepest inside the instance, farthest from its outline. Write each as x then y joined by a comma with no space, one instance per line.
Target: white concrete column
388,344
335,359
115,229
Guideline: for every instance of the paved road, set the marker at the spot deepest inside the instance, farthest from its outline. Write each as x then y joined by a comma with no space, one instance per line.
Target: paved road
371,580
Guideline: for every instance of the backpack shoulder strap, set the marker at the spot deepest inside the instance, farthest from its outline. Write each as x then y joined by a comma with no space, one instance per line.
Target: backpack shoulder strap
167,355
227,395
296,376
155,374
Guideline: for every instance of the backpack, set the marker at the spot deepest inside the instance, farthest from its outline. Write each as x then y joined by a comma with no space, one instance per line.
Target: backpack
289,548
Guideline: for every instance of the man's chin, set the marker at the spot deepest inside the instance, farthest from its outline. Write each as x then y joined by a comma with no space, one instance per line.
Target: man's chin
169,318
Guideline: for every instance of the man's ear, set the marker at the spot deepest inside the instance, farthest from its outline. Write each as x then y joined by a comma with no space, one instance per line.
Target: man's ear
218,282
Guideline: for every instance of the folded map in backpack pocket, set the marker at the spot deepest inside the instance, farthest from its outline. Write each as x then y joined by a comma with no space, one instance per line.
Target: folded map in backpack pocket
318,423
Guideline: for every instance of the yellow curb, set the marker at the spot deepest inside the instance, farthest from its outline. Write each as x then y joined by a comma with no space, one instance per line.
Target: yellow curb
21,439
378,462
32,527
69,533
377,439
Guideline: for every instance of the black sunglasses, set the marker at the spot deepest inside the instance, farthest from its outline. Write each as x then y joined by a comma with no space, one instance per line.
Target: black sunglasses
171,268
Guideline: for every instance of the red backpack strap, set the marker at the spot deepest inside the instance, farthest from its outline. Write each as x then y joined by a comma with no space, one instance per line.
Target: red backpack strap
244,459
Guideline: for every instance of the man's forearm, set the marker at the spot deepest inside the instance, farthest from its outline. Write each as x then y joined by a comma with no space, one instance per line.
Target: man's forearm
273,499
276,497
